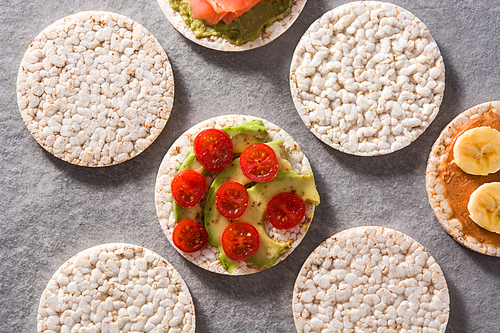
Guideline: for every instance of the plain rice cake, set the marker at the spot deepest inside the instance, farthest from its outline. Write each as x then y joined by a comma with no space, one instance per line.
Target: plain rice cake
95,89
370,279
367,78
116,288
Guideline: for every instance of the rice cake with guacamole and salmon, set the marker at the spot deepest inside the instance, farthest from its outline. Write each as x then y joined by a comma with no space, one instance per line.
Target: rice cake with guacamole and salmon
235,194
231,25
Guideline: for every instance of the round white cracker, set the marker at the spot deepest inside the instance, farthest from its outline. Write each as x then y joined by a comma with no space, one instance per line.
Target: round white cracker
120,288
370,279
435,186
367,78
95,88
207,258
218,43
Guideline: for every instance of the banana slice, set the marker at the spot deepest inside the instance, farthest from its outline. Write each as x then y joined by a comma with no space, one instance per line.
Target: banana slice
484,206
477,151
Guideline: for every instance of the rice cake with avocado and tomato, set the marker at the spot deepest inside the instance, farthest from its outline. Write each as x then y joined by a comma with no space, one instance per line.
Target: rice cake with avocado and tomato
259,25
462,161
95,89
292,173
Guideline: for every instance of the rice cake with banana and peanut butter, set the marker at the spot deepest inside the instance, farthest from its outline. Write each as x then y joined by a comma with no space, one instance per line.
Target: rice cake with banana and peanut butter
461,170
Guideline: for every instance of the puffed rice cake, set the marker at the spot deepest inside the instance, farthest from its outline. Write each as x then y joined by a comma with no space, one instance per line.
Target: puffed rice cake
367,78
95,88
116,288
207,258
435,185
218,43
370,279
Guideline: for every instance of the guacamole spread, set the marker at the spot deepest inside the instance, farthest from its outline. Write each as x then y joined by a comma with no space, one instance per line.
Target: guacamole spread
243,29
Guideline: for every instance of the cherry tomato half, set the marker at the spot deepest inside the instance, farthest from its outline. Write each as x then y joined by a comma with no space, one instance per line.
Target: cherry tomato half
259,162
231,200
214,149
189,236
240,240
285,210
188,187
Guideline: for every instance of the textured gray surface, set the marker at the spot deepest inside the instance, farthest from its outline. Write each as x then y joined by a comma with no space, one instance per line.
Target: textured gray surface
50,209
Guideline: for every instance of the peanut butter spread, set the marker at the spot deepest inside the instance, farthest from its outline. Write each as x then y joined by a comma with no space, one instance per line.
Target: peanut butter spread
458,185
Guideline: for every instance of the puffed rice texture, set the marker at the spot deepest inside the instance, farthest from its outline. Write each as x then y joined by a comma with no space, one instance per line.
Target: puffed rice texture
95,89
367,78
116,288
370,279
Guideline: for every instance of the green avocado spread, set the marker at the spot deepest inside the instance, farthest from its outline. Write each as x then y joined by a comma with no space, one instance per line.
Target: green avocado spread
243,29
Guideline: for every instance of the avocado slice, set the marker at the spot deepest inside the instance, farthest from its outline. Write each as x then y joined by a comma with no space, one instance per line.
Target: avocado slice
246,134
213,221
216,223
194,213
192,163
232,173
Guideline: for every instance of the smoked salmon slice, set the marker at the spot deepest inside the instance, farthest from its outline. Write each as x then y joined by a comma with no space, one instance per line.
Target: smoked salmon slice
202,10
232,5
230,16
212,11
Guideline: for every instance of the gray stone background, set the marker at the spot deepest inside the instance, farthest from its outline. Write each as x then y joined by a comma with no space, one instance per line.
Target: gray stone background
50,209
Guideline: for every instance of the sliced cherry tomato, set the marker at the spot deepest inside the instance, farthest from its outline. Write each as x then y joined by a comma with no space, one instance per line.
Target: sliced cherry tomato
240,240
231,200
214,149
189,236
285,210
259,162
188,187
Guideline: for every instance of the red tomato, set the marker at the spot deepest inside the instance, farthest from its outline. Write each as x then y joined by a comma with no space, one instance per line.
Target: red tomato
231,200
189,236
285,210
214,149
259,162
188,187
240,240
